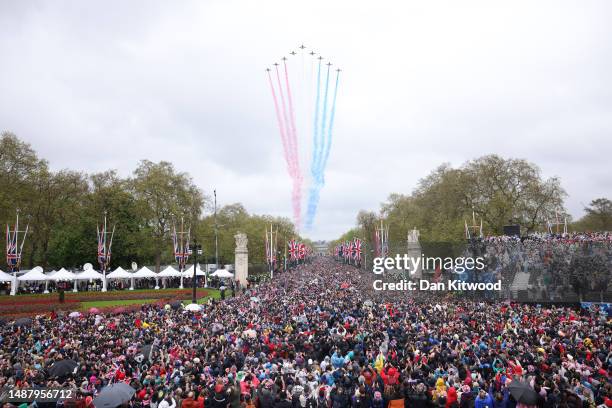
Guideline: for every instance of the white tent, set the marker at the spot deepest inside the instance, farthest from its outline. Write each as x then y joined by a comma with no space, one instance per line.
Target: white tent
35,274
63,275
5,277
169,272
188,272
145,272
119,273
222,273
90,274
49,275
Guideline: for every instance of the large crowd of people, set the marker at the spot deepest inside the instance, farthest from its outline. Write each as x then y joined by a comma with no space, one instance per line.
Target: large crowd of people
319,336
558,264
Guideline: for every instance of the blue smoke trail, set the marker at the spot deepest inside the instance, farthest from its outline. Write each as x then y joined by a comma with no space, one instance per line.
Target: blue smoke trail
315,128
319,169
318,158
331,124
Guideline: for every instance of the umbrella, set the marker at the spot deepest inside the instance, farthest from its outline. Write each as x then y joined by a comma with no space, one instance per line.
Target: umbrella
75,314
216,327
176,305
254,299
345,285
94,310
368,303
114,395
522,392
24,321
119,309
193,307
62,368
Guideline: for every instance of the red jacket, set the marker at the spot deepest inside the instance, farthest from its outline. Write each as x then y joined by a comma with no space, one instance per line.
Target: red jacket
390,376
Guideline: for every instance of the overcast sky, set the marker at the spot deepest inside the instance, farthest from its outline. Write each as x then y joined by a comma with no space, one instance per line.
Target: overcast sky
103,84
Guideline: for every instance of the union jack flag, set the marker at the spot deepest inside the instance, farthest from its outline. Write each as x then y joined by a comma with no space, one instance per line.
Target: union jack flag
102,247
181,251
302,251
357,249
12,257
270,255
292,249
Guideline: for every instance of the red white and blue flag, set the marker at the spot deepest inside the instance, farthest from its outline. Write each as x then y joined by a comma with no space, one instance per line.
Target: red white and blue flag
12,256
357,249
293,250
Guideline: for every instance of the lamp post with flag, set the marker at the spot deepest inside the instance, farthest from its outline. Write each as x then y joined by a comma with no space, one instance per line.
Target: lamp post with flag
271,240
14,249
104,249
180,241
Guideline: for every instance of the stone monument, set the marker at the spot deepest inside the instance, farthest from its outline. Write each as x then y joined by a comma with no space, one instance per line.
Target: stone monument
241,268
414,251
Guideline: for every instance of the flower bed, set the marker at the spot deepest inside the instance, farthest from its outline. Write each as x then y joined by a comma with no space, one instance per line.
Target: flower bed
29,305
91,296
38,308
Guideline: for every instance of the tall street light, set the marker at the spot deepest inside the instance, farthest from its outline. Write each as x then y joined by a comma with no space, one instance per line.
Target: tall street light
216,234
196,249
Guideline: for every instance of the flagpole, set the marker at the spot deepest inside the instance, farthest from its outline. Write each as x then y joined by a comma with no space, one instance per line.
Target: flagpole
103,263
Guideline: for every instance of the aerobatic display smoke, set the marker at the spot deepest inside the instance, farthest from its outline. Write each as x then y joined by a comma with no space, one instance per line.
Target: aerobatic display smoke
308,108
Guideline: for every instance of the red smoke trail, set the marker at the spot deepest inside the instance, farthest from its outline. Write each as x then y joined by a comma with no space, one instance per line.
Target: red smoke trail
286,128
292,158
281,126
297,186
293,132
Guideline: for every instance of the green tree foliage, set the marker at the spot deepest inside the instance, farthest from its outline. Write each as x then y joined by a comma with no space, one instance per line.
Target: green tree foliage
598,216
163,196
497,190
64,209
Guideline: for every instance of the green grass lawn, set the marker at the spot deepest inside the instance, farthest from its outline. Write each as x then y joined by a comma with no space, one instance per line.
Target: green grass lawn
212,293
114,303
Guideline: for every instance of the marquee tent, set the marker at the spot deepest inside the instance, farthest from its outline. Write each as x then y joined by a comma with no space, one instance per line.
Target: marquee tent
35,274
5,277
188,272
119,273
169,272
145,272
222,273
90,274
63,275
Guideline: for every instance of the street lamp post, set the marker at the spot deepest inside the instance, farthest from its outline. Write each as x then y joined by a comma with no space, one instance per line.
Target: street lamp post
216,235
196,249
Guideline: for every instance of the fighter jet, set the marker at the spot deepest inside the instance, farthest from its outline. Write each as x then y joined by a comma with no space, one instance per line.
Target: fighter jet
268,69
284,58
302,46
312,53
292,53
275,64
329,64
320,57
338,70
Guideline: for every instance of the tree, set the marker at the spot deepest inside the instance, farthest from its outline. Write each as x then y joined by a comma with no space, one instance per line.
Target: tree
497,190
598,216
509,190
163,197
